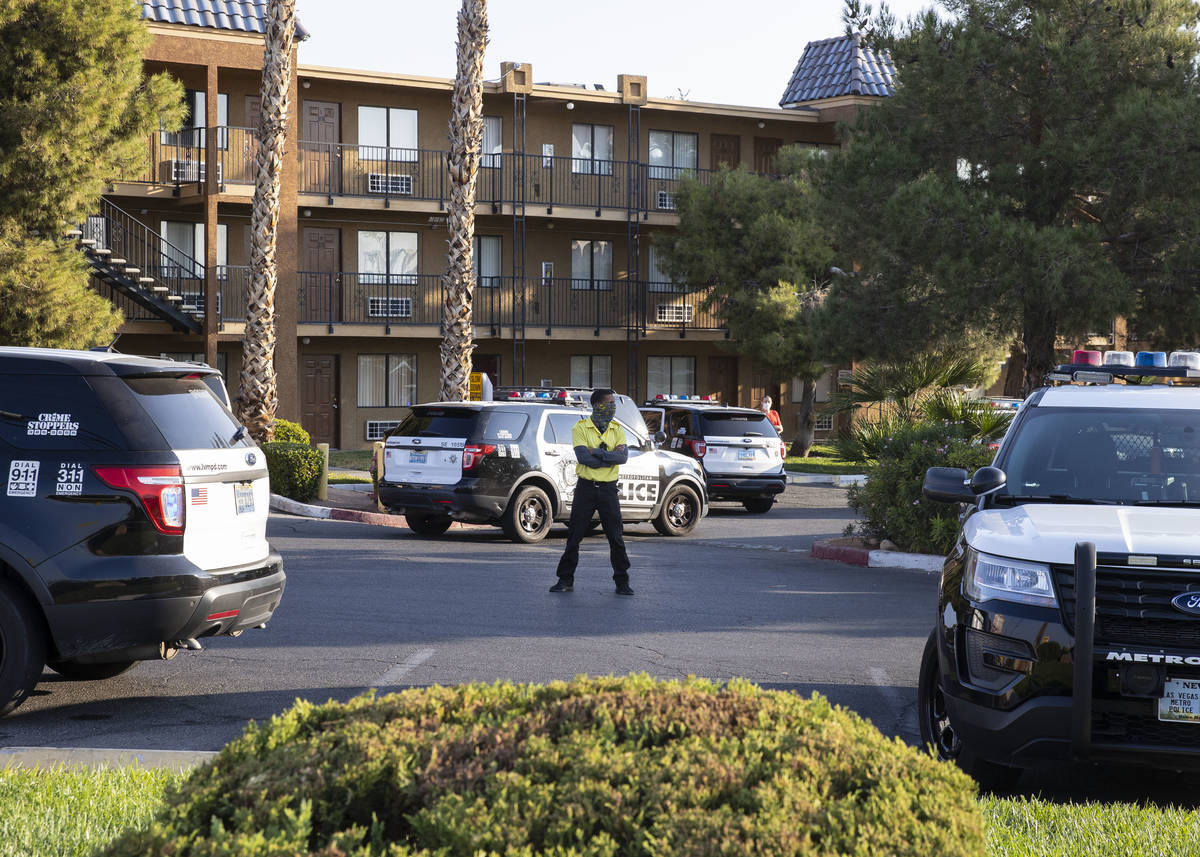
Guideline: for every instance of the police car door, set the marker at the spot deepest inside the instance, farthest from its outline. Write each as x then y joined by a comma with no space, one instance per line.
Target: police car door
639,482
557,454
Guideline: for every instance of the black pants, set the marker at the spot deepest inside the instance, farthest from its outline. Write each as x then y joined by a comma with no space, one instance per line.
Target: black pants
592,497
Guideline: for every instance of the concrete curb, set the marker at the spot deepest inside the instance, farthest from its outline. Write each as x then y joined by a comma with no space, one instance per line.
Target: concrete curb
305,510
865,558
83,757
840,480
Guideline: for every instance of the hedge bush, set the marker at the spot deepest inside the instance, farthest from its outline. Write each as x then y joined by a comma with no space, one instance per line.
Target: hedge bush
606,766
295,469
287,431
890,502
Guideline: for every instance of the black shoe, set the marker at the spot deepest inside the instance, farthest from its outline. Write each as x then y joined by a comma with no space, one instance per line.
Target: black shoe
563,586
623,588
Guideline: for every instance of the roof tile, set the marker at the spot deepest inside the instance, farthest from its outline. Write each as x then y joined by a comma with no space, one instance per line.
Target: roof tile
839,66
248,16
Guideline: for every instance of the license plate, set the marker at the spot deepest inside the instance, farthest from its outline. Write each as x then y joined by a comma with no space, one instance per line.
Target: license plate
1180,701
243,497
417,457
745,455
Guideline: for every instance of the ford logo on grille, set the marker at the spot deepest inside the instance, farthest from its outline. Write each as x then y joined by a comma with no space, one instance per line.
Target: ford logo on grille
1187,602
251,459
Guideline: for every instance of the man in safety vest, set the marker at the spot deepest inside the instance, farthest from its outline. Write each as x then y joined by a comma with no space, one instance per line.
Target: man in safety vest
599,451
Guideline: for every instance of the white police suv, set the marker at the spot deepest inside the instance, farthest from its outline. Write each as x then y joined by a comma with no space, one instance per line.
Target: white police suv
1068,620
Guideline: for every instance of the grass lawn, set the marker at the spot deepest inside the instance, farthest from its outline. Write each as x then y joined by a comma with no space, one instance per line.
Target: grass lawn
823,458
347,479
350,459
73,812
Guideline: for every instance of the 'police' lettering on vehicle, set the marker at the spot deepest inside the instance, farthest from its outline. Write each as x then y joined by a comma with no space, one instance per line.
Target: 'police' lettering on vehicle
638,489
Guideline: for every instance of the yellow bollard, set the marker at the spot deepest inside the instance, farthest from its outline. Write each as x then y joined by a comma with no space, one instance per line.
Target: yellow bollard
323,485
378,458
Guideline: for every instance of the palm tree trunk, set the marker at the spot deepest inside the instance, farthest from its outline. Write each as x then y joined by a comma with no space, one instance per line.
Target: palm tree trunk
466,139
258,398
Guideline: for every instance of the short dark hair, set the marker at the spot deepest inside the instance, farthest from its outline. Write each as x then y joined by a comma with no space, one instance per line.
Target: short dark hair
600,395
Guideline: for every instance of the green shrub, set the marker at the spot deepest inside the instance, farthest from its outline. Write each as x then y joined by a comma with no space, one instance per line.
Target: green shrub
891,504
287,431
607,766
295,469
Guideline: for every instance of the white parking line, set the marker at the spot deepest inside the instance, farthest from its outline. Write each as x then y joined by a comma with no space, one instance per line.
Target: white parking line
400,670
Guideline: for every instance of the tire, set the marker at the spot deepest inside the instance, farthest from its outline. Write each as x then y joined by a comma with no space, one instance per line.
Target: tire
528,516
937,731
680,512
428,525
74,671
759,505
22,646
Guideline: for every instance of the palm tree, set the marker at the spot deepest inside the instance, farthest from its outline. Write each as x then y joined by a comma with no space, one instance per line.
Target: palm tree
466,139
259,395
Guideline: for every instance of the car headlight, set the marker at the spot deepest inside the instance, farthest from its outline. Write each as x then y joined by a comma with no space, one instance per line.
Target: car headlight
989,577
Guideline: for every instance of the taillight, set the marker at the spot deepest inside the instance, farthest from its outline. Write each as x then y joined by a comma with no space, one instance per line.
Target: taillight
474,453
783,451
698,447
159,488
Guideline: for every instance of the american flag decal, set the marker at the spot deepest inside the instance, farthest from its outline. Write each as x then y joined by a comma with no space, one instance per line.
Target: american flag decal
199,496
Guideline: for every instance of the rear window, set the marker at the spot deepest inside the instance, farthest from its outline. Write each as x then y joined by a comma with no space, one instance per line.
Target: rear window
438,422
55,412
188,413
729,424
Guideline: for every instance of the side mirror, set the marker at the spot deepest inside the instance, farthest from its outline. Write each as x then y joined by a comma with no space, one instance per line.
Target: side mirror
988,479
660,437
948,485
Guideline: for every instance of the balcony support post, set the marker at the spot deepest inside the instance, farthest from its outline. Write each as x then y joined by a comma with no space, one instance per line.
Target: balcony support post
212,188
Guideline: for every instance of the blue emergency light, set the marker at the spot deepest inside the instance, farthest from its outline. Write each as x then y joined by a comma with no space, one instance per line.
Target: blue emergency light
1153,359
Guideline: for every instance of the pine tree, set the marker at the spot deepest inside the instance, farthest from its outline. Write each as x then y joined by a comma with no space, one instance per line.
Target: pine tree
76,111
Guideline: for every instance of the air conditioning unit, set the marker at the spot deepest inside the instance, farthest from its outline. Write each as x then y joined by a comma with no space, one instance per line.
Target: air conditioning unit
389,307
674,313
666,201
394,185
376,429
190,171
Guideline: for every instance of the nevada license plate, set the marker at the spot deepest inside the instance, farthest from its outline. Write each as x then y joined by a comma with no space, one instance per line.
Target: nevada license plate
243,497
1180,701
745,455
417,457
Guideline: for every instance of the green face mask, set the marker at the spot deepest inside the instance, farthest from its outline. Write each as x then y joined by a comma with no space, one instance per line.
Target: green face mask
602,415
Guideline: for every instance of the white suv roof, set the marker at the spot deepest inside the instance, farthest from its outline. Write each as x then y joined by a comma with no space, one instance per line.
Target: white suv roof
1159,396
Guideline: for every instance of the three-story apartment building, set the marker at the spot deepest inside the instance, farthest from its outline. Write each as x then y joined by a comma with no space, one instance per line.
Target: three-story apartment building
575,184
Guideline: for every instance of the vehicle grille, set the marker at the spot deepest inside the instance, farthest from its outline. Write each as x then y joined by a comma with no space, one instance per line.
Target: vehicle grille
1115,727
1133,605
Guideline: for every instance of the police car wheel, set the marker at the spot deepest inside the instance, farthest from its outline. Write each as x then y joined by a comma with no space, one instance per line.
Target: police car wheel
680,512
75,671
428,525
528,517
938,732
759,505
22,646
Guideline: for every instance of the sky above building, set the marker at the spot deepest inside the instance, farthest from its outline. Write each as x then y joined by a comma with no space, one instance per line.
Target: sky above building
701,50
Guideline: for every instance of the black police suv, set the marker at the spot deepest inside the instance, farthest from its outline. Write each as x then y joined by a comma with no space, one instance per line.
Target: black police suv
133,516
740,451
1068,620
511,462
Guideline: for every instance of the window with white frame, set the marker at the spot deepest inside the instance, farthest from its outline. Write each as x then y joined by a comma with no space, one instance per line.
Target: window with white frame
487,260
387,133
387,380
592,149
671,152
670,376
492,145
658,280
181,252
823,422
591,370
591,265
387,257
191,132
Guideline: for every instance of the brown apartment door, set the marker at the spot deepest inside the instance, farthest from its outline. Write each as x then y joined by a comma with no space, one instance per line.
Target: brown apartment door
319,397
722,379
765,150
726,151
319,136
489,364
321,282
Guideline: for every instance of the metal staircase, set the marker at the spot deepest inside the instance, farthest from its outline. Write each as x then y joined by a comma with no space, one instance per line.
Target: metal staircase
135,261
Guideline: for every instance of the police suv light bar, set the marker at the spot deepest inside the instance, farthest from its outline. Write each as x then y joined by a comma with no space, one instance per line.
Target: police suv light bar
1087,367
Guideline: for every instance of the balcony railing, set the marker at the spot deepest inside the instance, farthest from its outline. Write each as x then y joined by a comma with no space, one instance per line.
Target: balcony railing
180,157
501,302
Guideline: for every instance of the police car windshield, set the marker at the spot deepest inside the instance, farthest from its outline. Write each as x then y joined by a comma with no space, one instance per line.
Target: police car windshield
1136,456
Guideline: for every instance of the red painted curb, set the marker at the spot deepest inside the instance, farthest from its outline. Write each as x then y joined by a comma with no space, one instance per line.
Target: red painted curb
379,519
848,555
